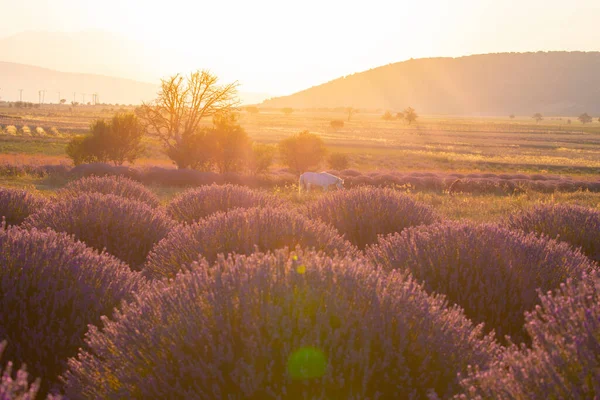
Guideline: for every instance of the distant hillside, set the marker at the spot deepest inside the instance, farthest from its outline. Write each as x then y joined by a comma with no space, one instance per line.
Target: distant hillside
559,83
110,89
32,79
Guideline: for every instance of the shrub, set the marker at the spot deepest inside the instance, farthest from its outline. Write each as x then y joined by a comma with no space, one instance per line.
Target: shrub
387,116
492,272
565,357
241,231
261,158
231,144
126,228
16,388
195,204
302,151
16,205
81,149
336,124
51,288
338,161
117,185
274,326
118,141
579,226
361,214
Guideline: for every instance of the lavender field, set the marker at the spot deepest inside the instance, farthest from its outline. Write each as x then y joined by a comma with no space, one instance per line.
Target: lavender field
226,291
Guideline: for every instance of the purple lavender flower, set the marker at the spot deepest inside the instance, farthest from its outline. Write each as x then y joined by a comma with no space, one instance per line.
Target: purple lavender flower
241,231
51,288
127,229
195,204
564,360
490,271
577,225
16,205
261,327
117,185
363,213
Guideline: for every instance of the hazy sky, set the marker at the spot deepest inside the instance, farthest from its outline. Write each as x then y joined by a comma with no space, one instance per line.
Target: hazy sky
279,46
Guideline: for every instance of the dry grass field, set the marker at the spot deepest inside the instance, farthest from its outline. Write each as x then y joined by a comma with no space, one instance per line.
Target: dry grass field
434,144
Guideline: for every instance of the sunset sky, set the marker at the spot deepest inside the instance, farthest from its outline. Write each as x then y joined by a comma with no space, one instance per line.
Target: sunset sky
278,46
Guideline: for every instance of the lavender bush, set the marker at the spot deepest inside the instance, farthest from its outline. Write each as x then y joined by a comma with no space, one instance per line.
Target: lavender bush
16,205
241,231
274,326
51,287
17,387
195,204
127,229
363,213
117,185
577,225
490,271
564,361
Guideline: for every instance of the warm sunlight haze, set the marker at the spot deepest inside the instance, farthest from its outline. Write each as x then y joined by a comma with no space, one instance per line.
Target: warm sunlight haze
280,47
317,199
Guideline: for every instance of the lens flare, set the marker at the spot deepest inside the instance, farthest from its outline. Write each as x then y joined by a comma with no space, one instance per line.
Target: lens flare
306,363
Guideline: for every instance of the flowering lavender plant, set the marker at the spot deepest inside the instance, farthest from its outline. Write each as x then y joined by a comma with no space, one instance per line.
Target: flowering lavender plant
490,271
564,361
195,204
18,387
51,287
272,326
577,225
117,185
16,205
241,231
127,229
363,213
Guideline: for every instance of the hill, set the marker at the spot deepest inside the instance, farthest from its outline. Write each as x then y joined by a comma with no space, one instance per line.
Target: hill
32,79
552,83
89,52
110,89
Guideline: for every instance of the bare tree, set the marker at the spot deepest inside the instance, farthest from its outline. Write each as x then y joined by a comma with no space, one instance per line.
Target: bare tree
174,117
351,111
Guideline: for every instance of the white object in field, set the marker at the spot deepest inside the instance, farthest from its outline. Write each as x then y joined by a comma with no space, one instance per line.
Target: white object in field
323,179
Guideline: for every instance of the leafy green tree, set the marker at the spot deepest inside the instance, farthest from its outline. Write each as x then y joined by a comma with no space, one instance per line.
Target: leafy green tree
117,141
302,151
410,115
252,109
287,110
538,117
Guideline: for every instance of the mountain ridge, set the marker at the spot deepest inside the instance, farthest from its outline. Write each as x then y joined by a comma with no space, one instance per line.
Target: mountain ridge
483,84
111,89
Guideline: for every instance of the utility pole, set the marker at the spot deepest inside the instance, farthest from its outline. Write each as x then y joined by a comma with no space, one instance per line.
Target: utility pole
83,96
58,98
21,95
74,99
